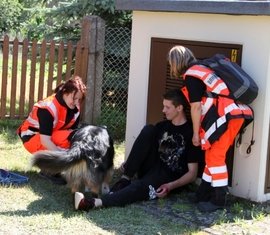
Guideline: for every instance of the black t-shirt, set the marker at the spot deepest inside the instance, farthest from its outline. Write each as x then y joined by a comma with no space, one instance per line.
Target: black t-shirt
175,147
196,88
46,119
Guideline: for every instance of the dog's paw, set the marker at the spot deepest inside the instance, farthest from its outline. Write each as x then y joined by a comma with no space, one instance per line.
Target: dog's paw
105,189
86,189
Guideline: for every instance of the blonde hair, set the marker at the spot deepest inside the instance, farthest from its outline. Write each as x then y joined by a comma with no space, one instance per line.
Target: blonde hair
180,58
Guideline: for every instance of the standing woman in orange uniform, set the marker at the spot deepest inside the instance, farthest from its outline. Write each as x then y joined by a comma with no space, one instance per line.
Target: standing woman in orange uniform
53,119
216,122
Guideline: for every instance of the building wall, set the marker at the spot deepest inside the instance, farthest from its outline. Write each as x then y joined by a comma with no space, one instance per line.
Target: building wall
250,31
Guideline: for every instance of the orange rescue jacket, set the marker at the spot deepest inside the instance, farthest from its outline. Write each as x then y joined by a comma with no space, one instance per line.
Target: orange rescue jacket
216,109
31,125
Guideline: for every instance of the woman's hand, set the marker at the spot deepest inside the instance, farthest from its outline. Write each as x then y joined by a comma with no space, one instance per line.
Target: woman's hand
47,143
196,140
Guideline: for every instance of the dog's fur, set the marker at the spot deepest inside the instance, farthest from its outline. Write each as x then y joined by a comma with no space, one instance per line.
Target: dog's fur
88,162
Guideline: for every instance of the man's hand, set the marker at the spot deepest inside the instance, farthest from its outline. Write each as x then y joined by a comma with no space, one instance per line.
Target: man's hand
163,190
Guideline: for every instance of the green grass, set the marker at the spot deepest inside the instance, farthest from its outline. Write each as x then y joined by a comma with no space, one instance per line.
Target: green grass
40,207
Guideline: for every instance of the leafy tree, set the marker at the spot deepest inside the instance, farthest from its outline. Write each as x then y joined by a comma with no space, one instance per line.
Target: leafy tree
62,19
10,15
33,17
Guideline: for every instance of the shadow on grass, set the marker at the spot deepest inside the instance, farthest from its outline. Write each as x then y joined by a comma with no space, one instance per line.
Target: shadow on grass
176,209
51,198
179,209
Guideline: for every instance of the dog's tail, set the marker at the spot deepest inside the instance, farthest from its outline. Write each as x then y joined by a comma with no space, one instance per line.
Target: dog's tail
54,161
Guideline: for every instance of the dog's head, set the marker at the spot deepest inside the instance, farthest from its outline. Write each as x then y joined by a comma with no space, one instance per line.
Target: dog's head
95,144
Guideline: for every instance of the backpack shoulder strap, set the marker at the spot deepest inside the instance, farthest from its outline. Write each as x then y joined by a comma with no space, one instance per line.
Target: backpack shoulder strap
242,131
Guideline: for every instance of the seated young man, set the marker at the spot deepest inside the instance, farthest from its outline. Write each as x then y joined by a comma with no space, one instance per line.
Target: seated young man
163,158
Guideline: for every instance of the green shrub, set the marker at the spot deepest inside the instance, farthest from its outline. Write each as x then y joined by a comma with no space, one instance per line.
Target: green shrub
115,120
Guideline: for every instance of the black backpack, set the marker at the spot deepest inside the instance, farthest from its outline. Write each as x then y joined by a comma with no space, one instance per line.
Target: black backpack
242,87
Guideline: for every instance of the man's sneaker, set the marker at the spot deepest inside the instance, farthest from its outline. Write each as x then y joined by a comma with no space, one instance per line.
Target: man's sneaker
55,179
120,184
82,203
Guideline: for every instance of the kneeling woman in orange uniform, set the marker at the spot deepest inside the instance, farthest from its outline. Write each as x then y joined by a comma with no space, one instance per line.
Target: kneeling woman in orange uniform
54,118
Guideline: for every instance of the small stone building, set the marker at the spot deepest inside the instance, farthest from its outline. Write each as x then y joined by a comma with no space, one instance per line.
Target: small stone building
238,29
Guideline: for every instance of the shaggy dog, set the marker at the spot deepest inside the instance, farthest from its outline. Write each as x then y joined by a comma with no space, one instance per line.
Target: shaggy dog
88,162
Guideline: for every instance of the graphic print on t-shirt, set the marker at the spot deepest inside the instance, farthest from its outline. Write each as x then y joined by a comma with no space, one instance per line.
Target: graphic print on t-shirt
171,149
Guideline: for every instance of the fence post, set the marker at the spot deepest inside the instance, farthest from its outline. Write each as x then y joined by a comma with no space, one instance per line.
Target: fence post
93,32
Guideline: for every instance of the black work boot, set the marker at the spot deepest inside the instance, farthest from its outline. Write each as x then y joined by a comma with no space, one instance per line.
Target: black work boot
203,193
217,201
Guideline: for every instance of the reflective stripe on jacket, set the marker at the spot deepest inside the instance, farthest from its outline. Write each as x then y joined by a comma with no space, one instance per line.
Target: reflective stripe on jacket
31,125
216,110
